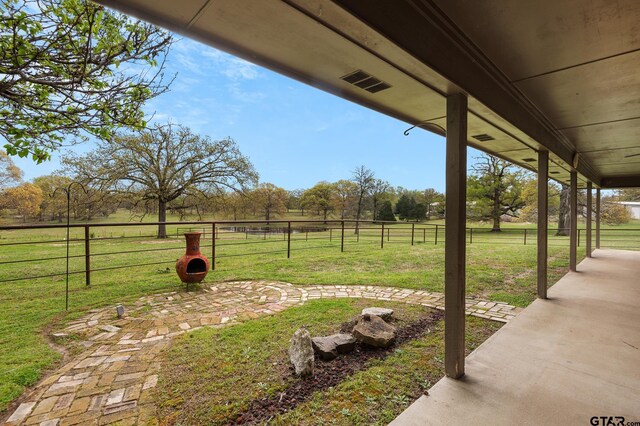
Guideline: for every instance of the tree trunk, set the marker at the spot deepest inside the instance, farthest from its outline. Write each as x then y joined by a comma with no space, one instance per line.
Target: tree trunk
162,217
375,208
496,212
358,212
564,215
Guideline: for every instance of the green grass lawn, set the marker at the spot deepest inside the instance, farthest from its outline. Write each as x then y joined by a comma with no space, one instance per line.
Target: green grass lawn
211,376
500,267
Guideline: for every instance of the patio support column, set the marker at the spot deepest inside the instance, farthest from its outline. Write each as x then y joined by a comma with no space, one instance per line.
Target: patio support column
543,213
588,230
573,233
455,236
598,218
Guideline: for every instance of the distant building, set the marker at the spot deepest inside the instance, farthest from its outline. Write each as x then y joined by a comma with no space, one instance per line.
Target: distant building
633,207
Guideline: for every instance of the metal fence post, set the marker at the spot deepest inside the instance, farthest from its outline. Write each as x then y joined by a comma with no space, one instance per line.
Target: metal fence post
213,246
525,236
382,236
288,240
413,231
87,256
579,237
388,234
470,236
436,237
342,238
424,235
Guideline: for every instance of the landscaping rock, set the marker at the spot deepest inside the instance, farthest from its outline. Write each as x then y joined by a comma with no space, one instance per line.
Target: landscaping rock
301,352
345,342
329,347
374,331
347,327
383,313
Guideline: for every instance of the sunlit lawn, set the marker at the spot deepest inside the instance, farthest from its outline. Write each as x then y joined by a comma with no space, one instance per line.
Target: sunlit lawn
499,267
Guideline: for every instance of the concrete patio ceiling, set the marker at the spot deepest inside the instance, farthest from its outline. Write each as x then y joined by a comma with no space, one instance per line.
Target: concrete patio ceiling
548,75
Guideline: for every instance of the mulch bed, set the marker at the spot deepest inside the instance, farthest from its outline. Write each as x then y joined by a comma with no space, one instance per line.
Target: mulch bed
331,373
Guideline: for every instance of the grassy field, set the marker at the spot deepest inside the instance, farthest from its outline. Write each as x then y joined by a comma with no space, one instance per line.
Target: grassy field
500,267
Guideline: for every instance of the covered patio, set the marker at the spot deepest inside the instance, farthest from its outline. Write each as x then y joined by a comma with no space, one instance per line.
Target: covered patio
561,361
551,86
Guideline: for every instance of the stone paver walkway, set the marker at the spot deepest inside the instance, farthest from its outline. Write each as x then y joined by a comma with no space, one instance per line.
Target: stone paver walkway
113,379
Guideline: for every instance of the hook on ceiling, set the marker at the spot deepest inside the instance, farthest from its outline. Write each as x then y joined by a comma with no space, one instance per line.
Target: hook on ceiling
426,124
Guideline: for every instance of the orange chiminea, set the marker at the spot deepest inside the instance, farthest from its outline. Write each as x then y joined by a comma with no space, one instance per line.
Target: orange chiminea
193,266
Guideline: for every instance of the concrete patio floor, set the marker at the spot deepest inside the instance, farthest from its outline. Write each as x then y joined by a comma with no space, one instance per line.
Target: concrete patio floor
561,361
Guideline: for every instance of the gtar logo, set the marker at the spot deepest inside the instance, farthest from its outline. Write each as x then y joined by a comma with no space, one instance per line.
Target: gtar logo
607,421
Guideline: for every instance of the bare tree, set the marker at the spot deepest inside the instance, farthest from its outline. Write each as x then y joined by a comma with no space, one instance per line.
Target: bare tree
364,178
163,164
9,172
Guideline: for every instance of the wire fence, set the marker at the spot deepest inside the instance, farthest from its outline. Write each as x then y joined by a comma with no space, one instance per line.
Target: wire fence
32,252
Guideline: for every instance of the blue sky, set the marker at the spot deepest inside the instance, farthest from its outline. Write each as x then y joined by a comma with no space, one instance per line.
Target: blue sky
294,134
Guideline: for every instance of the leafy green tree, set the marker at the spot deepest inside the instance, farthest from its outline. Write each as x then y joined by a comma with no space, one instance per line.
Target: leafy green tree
319,197
418,212
386,212
52,206
293,203
614,213
25,199
405,205
529,212
345,197
494,189
380,191
72,68
163,164
269,199
433,201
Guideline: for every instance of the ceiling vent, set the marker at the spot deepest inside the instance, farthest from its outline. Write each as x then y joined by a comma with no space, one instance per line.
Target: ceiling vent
554,173
528,160
366,81
483,137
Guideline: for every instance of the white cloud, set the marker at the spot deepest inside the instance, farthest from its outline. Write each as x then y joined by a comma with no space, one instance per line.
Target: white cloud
201,60
245,96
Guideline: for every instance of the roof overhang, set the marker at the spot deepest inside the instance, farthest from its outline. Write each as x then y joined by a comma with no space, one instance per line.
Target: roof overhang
426,50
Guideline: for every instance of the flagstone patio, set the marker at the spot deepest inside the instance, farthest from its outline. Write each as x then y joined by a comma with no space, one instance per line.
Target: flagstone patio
112,381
